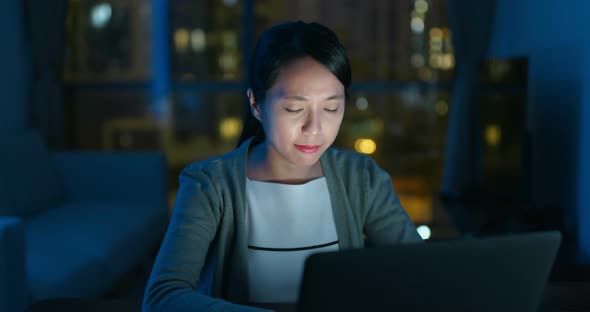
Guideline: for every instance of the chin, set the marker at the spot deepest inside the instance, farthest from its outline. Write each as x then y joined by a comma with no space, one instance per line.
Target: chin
308,163
308,160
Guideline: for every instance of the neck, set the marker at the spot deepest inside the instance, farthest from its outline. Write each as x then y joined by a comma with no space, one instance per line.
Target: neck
266,165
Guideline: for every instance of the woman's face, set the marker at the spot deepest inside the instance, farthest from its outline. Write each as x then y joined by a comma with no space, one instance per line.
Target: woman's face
302,112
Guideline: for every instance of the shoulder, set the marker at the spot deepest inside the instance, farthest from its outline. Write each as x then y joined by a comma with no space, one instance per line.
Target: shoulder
214,169
214,164
357,170
347,160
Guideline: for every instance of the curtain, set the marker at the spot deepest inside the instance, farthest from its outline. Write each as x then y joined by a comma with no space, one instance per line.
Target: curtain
14,79
46,27
471,26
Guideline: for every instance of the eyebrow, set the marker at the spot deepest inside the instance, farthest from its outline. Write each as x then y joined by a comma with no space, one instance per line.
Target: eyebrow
303,98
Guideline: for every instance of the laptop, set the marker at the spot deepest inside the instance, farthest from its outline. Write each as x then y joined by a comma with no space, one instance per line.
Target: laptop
504,273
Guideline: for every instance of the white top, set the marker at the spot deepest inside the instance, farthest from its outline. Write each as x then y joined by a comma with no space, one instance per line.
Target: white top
286,223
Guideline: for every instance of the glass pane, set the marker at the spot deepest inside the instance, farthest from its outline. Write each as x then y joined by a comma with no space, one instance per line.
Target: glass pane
108,40
385,40
505,72
409,128
205,39
205,125
504,136
107,117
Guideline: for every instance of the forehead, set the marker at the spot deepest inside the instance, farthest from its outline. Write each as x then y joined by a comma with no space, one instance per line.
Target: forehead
306,77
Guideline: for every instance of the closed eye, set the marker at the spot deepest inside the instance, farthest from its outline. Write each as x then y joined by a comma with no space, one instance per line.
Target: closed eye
331,110
293,111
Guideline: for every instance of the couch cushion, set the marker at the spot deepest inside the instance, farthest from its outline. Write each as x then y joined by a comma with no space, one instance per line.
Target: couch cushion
12,264
27,175
82,249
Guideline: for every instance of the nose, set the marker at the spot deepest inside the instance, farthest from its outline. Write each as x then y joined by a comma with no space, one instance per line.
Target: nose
312,124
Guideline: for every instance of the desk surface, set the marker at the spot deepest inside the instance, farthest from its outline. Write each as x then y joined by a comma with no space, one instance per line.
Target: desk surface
558,298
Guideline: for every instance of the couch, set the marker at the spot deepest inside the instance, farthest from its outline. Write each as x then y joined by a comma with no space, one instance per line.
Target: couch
74,224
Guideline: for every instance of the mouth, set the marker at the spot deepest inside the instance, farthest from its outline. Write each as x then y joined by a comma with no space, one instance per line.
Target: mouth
308,148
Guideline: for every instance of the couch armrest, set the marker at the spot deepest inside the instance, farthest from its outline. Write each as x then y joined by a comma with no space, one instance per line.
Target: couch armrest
91,176
13,287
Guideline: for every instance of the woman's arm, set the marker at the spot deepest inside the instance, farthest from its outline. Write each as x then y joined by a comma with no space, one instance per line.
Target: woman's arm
175,274
386,221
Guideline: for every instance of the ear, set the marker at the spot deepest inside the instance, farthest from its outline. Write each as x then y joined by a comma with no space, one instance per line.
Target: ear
253,105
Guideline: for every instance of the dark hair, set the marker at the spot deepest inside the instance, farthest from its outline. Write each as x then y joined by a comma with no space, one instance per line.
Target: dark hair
280,46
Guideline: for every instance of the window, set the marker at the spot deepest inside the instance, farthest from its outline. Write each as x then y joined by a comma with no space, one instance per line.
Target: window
400,52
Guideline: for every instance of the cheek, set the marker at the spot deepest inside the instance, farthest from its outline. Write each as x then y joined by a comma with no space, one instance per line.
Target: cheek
269,121
334,124
280,128
288,128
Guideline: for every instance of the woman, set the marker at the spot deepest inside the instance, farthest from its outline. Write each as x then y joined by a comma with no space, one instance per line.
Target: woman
244,222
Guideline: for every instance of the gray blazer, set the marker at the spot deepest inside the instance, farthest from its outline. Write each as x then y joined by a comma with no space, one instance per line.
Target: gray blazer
202,263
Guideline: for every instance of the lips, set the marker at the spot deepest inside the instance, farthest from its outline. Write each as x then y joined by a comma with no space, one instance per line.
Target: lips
308,148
